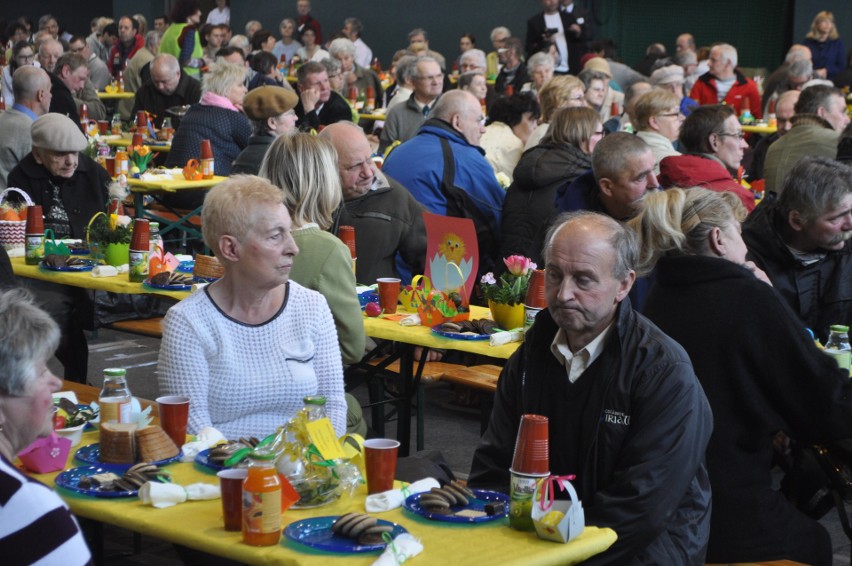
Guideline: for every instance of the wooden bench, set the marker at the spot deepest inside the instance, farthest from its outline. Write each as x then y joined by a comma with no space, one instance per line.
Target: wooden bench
482,378
145,326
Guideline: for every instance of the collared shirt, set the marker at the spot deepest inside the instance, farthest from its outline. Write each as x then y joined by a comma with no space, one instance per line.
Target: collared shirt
576,363
24,110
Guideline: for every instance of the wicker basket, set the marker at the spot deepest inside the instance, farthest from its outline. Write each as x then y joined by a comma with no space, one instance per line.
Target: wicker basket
12,231
207,269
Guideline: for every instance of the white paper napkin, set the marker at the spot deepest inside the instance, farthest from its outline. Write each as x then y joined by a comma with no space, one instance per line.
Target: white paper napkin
206,438
104,271
394,498
162,495
400,550
500,338
410,320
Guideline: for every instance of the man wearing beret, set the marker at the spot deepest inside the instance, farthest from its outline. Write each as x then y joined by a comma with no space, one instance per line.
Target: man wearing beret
71,188
272,114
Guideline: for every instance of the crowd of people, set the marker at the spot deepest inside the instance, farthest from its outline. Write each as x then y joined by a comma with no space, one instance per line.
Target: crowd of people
684,259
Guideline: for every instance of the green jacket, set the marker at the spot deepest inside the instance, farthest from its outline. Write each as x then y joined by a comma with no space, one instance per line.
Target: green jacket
171,44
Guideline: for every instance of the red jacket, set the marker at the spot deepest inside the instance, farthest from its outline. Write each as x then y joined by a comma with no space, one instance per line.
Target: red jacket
119,54
687,171
704,92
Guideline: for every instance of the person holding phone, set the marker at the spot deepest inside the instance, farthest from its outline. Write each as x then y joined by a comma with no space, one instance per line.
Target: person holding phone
560,28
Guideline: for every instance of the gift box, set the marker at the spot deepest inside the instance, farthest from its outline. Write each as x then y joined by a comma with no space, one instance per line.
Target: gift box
46,454
557,520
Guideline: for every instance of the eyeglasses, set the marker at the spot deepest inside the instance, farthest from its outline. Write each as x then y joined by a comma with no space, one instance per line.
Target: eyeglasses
738,135
437,77
21,57
670,114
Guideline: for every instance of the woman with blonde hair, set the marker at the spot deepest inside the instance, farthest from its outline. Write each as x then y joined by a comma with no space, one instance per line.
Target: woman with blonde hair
563,154
564,91
304,167
658,118
248,348
758,366
217,117
827,52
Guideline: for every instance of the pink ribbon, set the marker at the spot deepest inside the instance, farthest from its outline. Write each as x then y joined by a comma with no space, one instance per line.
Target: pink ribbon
548,490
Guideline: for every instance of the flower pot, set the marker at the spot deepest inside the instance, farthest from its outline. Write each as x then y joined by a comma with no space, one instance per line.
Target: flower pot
117,254
506,316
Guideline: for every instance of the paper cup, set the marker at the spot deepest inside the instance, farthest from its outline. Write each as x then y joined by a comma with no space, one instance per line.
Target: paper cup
347,236
174,413
231,485
535,291
380,455
103,127
136,140
532,451
388,294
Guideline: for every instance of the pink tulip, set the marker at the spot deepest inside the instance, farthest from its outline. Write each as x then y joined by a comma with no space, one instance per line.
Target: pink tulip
518,265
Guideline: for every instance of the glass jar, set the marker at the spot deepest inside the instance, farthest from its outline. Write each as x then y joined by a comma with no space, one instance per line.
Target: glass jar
114,399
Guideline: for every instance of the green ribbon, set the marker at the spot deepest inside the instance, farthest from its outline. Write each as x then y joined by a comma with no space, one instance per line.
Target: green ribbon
399,555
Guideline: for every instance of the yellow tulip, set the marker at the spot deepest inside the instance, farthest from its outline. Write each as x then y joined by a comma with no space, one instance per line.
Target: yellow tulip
113,221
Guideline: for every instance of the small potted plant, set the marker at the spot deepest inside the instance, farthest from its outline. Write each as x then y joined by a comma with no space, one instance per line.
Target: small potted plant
506,295
140,157
109,237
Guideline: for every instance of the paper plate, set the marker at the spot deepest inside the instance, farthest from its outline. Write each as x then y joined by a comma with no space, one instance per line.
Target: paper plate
70,480
203,460
316,533
457,335
412,504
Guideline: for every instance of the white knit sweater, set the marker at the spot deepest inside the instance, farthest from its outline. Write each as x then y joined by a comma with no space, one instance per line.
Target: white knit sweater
246,380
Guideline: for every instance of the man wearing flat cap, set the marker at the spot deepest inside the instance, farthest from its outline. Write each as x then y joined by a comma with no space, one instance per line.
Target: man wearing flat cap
671,78
71,188
272,114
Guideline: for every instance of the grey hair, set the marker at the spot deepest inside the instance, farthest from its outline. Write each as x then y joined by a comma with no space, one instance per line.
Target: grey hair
73,60
729,52
815,97
621,239
27,336
611,154
453,102
331,65
285,20
801,68
250,24
27,81
356,25
539,59
167,62
476,56
685,58
406,69
419,31
500,30
466,79
814,185
152,39
43,21
589,75
241,41
222,77
798,52
341,46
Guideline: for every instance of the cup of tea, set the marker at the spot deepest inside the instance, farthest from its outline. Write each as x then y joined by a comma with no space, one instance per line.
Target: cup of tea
388,294
231,485
380,456
174,414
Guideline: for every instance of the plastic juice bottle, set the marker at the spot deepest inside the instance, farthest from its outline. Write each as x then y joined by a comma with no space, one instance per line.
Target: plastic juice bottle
115,125
115,396
139,248
262,502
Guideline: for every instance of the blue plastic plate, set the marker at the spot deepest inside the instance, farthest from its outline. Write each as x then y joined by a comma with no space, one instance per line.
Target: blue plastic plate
91,454
316,533
148,283
412,504
70,480
203,460
87,265
458,336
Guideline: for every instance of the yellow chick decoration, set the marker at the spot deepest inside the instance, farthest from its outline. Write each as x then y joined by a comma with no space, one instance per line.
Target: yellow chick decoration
452,248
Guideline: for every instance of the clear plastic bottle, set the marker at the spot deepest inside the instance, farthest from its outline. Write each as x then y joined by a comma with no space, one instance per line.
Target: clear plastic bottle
315,407
838,346
262,501
115,396
115,125
155,240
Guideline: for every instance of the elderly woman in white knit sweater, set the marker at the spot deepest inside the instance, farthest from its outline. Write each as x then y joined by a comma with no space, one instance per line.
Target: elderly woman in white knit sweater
248,348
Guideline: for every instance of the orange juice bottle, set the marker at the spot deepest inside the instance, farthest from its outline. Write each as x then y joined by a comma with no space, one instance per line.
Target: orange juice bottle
262,502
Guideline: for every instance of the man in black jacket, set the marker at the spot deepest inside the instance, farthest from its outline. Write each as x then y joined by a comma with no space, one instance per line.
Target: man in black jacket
554,26
626,413
169,86
318,104
802,242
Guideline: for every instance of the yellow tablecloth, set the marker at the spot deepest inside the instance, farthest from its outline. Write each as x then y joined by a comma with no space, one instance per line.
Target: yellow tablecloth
117,284
423,336
115,95
125,142
175,183
760,129
198,524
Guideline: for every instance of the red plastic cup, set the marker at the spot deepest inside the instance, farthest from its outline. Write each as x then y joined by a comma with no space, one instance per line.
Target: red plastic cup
137,140
141,120
380,455
388,294
535,290
347,236
35,220
532,450
231,485
109,165
103,127
174,413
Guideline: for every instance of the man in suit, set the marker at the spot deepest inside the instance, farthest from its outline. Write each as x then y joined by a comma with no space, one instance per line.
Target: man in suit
553,26
318,104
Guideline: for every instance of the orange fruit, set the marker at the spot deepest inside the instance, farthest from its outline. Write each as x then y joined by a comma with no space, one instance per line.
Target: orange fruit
10,215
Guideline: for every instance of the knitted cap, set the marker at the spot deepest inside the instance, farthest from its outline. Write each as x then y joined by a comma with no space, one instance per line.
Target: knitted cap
667,75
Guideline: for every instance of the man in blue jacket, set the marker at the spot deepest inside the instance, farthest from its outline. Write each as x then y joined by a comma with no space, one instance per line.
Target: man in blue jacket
463,185
626,412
